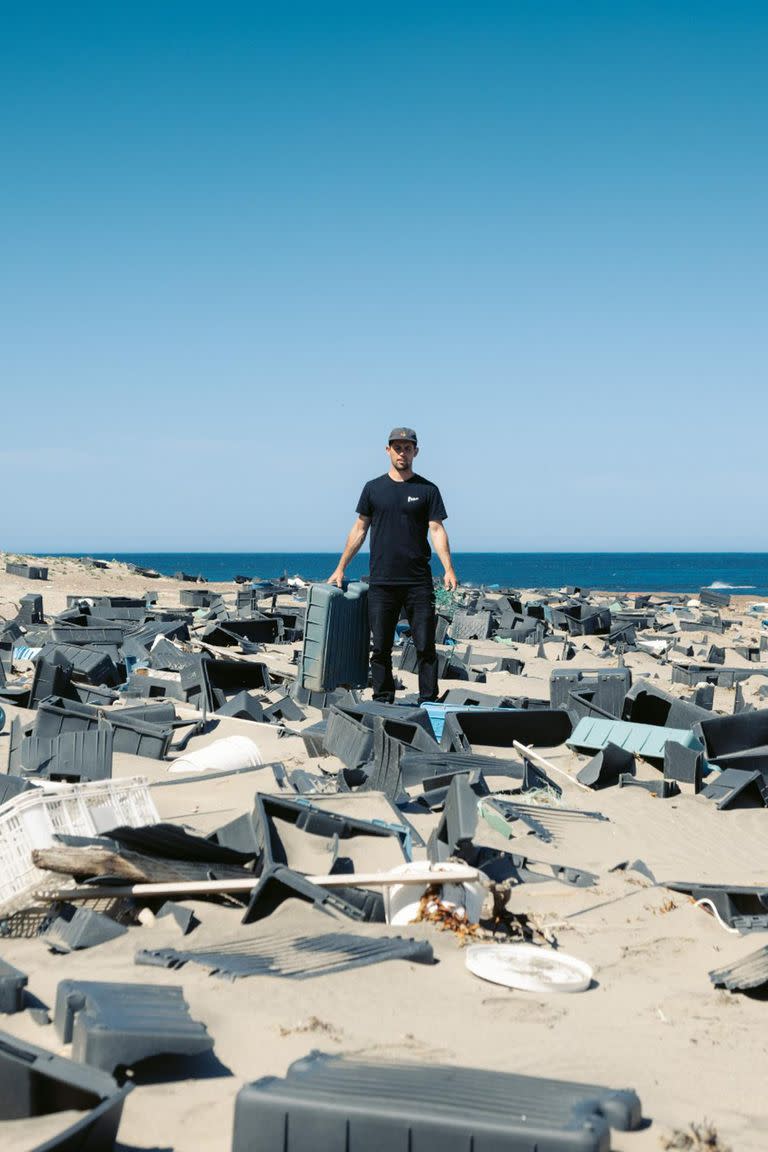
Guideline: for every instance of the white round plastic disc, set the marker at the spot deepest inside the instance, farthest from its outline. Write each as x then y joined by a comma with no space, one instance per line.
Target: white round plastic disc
529,968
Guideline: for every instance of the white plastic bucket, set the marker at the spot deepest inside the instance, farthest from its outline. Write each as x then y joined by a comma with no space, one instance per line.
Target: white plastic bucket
401,901
231,752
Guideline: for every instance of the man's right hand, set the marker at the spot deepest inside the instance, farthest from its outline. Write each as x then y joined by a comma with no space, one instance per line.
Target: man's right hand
337,577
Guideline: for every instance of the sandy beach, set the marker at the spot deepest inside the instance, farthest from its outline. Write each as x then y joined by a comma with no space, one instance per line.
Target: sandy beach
651,1021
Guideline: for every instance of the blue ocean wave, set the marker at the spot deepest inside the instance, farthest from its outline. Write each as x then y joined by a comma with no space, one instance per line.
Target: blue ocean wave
681,572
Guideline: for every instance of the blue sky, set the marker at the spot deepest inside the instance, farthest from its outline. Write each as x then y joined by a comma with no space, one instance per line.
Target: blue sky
242,240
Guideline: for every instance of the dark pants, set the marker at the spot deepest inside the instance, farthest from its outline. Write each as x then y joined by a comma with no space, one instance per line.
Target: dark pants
386,603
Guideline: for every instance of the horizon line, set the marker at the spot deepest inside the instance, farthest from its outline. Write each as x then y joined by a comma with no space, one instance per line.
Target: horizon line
365,552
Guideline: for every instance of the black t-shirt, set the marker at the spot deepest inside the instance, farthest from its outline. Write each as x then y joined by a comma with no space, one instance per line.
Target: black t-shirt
400,512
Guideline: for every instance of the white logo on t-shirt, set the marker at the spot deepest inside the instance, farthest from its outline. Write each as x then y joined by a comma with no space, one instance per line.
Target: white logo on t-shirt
410,498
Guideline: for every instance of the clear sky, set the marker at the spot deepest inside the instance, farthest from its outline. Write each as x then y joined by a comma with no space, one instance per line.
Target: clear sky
240,241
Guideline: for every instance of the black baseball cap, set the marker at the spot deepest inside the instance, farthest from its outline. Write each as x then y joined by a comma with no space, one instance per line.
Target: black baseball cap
403,434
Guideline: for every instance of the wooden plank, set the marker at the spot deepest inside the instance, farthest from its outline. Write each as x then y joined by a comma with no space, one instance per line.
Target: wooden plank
547,765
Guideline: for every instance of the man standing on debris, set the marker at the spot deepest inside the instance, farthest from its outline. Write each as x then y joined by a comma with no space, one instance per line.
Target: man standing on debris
400,507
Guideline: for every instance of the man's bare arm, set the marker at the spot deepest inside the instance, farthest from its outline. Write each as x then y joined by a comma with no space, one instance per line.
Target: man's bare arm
440,544
354,543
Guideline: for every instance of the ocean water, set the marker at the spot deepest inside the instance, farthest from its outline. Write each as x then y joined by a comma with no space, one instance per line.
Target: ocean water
745,572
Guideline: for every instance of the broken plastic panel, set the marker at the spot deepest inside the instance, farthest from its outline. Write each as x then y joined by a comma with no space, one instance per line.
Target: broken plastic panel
184,918
88,632
138,642
714,599
606,767
309,839
367,712
683,765
79,928
460,698
339,1102
723,735
35,1082
743,907
737,789
500,727
704,696
693,674
384,773
279,883
320,699
746,975
51,680
662,789
155,684
200,597
12,786
314,739
293,957
646,740
227,633
458,822
647,704
168,657
12,985
242,706
56,716
504,866
116,1025
419,768
545,822
279,707
91,665
470,625
347,738
239,835
225,678
170,842
31,609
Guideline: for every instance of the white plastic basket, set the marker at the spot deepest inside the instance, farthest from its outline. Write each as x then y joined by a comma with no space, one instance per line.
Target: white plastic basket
33,819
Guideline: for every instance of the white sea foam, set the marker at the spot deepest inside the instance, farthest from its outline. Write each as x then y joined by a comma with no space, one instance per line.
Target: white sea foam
732,587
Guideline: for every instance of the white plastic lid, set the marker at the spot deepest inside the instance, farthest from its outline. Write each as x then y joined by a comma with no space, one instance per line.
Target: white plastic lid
528,967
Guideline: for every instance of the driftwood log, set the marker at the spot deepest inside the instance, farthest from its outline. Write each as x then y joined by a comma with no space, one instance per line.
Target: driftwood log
94,860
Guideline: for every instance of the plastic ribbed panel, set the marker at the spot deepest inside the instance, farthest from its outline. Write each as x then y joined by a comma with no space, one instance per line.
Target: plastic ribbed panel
336,638
114,1025
329,1104
646,740
292,957
746,974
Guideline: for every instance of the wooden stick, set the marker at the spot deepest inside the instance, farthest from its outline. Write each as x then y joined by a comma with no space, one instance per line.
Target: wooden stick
547,764
222,887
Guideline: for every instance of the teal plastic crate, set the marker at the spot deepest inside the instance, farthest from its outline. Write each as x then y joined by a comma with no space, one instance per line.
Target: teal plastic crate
336,638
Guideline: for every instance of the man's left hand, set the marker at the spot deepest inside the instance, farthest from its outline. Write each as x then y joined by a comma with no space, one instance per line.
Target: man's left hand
450,581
